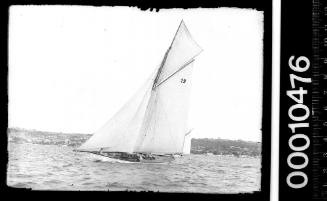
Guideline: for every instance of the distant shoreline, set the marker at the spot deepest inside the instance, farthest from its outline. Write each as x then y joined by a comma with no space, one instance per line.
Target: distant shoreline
65,133
206,146
17,129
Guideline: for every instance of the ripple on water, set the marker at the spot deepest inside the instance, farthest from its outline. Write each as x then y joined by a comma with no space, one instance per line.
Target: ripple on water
87,178
87,183
19,175
67,165
53,167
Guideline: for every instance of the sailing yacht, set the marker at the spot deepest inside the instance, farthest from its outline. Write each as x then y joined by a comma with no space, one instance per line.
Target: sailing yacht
152,126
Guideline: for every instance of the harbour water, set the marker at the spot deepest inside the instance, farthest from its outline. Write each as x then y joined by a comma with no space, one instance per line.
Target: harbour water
55,166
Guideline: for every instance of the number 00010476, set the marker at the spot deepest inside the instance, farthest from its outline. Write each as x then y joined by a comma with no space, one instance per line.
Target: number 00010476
298,113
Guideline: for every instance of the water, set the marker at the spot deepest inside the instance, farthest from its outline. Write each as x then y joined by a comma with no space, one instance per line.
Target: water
57,167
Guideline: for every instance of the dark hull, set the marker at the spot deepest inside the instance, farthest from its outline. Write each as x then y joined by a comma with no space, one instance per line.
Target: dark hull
136,157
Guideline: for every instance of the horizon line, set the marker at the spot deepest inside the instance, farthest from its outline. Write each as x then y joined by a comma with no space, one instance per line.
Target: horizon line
59,132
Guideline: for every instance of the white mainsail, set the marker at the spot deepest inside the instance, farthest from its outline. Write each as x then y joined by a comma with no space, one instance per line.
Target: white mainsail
155,118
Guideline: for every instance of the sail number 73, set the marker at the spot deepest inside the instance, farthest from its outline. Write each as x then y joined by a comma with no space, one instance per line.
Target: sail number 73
298,115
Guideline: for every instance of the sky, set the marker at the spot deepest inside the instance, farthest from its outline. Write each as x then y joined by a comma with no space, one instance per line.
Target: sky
72,67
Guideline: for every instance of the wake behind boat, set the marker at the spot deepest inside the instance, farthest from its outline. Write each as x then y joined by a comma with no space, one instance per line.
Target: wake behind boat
152,126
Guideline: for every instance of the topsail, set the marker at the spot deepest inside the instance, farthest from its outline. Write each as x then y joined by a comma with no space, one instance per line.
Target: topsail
154,120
